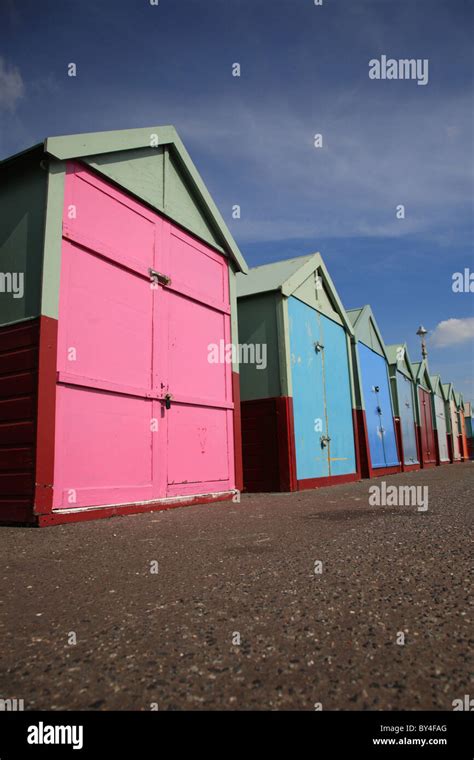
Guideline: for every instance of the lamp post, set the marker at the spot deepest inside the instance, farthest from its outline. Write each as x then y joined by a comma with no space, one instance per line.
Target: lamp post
422,332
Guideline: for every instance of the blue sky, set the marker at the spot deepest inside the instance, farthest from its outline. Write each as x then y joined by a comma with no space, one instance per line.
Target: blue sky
304,70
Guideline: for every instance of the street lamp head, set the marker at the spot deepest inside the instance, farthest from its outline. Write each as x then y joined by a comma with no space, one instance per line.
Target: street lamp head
422,332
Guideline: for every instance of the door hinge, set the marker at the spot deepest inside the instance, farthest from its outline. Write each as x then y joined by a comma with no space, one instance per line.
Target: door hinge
158,277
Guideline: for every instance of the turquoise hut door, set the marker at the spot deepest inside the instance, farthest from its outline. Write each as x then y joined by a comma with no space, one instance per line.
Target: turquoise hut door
341,451
324,437
309,407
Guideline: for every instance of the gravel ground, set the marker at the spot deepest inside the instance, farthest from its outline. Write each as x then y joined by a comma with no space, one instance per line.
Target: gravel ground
246,570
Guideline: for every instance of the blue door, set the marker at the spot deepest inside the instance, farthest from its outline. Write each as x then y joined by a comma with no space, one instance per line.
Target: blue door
308,391
341,449
407,418
378,408
324,436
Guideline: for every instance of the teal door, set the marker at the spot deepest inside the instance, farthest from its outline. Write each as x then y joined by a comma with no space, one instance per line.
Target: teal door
308,392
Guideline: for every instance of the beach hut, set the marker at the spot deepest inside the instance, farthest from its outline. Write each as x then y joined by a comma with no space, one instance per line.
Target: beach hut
469,428
375,424
297,404
452,423
404,401
426,434
439,418
112,398
458,397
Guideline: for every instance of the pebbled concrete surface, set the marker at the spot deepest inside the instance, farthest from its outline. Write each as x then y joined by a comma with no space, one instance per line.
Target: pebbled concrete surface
247,568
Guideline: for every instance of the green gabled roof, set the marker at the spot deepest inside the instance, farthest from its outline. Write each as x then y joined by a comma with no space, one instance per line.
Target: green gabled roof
287,276
448,390
402,365
366,329
458,397
438,387
191,206
275,276
354,314
422,374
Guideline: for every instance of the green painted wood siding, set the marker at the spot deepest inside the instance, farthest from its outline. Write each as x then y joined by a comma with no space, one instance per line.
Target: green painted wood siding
257,317
22,209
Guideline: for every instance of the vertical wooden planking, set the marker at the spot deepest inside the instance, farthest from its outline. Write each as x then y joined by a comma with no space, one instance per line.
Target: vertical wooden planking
18,419
406,410
338,398
378,408
308,392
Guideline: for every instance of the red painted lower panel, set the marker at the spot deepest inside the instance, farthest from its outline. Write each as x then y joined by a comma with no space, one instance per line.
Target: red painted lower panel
18,404
470,447
286,444
96,513
46,415
16,512
363,443
333,480
378,472
259,445
268,445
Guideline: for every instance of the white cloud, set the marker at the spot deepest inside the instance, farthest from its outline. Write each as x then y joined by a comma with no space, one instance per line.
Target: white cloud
374,158
451,331
12,88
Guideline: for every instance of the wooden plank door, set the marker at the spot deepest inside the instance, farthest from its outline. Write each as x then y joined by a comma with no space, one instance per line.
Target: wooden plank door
378,408
310,418
337,391
441,429
191,315
407,418
105,444
427,433
455,432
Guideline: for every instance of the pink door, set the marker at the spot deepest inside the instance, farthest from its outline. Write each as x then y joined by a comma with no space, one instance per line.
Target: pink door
192,313
125,341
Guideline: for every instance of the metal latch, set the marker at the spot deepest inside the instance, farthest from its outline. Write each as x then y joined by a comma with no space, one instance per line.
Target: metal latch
325,439
318,346
158,277
168,398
